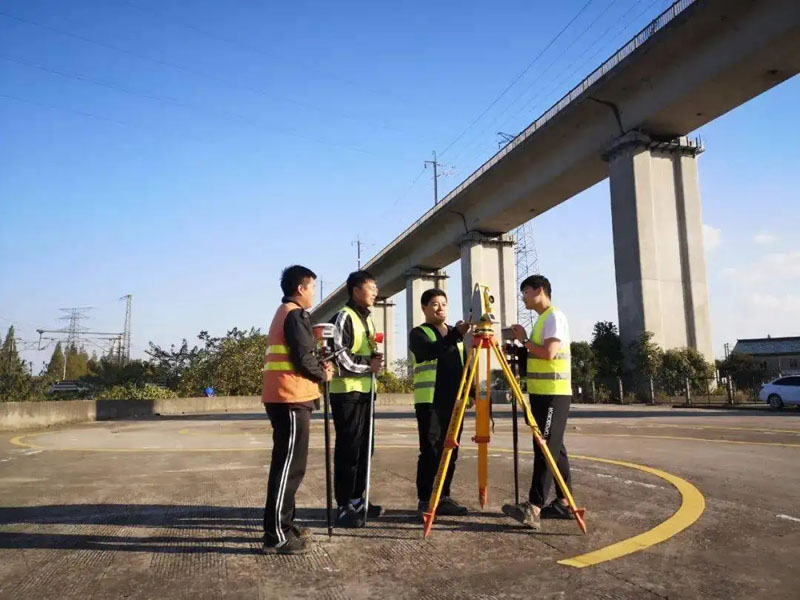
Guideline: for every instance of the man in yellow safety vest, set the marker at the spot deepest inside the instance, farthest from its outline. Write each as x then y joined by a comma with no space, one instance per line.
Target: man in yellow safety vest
437,354
550,388
351,394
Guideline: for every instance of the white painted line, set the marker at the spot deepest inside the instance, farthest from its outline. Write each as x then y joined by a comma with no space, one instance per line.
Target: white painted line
788,518
630,481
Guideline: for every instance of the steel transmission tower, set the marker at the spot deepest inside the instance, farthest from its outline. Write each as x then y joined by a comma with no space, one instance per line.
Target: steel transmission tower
125,351
527,262
74,329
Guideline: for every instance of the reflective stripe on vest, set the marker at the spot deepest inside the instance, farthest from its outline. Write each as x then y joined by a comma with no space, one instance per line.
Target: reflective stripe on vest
548,377
278,358
361,347
425,372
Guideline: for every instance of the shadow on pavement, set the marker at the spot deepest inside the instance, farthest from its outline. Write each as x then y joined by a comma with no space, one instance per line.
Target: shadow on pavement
174,522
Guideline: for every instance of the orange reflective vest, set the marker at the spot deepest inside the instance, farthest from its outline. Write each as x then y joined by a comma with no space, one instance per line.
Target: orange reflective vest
282,383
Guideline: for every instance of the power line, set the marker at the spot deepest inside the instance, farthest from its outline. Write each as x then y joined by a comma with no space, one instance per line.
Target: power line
536,80
194,72
625,27
241,119
67,110
517,78
237,43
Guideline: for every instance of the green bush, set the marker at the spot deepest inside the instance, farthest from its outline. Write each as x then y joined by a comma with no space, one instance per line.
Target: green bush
131,392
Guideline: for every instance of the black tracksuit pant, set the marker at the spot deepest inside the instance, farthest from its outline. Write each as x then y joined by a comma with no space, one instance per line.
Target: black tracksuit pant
290,428
351,417
432,423
551,414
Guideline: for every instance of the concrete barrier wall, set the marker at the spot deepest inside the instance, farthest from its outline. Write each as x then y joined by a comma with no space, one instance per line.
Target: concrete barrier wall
30,415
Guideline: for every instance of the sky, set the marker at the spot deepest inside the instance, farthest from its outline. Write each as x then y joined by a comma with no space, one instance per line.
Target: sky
186,151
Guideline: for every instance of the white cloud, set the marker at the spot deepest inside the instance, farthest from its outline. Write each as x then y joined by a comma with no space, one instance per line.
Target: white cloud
780,267
765,239
712,237
775,302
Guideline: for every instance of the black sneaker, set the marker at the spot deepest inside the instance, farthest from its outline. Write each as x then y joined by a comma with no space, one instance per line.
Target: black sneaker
422,508
556,510
448,506
301,532
524,513
375,510
349,517
292,545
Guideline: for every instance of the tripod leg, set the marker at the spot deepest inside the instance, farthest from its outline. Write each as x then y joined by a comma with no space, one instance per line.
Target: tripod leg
540,441
451,440
515,440
328,501
482,434
371,437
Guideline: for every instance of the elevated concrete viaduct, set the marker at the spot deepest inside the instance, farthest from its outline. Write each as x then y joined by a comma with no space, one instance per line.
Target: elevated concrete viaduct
626,121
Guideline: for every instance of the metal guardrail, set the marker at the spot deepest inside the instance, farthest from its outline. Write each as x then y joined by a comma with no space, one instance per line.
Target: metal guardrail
645,34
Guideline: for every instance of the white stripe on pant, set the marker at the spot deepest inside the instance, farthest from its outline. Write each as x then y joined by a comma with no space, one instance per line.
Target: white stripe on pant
290,436
284,477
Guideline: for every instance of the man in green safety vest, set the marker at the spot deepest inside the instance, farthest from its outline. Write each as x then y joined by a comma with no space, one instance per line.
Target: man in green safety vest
550,388
351,393
437,355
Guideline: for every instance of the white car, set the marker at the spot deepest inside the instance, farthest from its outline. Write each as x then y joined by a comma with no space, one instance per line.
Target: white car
783,391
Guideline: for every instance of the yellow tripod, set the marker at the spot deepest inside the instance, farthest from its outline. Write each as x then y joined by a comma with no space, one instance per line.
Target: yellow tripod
483,339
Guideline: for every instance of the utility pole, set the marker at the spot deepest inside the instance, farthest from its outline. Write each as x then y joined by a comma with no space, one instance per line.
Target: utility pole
358,244
322,283
435,166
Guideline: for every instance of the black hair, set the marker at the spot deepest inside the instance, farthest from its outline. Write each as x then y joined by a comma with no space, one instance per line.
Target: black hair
429,295
536,282
357,279
294,276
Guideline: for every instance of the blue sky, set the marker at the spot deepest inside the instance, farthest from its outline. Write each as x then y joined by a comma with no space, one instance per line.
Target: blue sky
185,152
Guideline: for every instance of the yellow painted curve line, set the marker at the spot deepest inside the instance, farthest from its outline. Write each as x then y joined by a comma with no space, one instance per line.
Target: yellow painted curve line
684,438
692,506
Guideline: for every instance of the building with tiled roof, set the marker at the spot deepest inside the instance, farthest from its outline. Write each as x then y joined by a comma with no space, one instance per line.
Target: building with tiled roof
777,354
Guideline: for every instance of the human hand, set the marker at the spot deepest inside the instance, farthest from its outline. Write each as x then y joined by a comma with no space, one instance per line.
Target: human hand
463,327
519,332
375,363
327,369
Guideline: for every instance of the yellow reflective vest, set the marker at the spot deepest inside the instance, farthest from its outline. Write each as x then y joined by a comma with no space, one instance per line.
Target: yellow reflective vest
425,372
548,377
361,346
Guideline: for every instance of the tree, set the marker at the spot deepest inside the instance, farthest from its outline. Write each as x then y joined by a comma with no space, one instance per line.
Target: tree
680,363
606,349
15,381
583,363
55,368
9,357
231,364
647,356
397,380
743,369
77,362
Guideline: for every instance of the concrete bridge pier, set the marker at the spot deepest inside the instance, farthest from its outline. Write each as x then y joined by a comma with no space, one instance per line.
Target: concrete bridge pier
383,317
418,280
488,259
658,242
